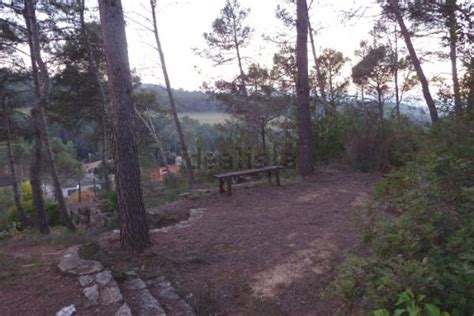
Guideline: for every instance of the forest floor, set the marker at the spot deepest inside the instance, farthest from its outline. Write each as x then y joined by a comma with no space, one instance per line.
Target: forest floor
265,250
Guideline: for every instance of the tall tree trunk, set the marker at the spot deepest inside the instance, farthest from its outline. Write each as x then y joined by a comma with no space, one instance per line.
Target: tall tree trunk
470,96
306,165
41,221
184,149
134,232
243,85
415,60
44,88
380,103
264,142
11,161
150,126
35,168
319,76
319,80
102,107
332,94
395,76
453,39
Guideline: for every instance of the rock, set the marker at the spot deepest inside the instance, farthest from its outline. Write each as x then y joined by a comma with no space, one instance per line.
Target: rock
111,294
106,239
171,299
103,278
67,311
183,309
134,284
149,306
86,280
92,295
98,218
71,263
168,293
131,274
124,310
185,195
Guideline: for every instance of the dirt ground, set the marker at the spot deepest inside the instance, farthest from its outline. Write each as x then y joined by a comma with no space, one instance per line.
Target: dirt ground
268,249
265,250
30,283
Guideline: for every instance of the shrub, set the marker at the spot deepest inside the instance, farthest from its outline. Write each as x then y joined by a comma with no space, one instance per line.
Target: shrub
110,202
411,304
427,245
86,196
51,207
358,137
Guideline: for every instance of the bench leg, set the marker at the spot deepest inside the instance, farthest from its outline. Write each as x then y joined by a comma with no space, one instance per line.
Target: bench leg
277,177
269,176
221,185
229,186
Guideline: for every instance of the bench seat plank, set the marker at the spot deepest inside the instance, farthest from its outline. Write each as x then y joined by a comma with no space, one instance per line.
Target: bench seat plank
247,172
227,177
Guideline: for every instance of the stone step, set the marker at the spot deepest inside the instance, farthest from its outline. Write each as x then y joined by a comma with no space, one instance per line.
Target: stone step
157,298
139,298
173,303
101,293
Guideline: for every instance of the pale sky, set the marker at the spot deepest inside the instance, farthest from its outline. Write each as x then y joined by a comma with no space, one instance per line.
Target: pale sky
182,24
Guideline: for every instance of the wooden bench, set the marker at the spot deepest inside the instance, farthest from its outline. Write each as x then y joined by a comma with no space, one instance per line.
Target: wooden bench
228,177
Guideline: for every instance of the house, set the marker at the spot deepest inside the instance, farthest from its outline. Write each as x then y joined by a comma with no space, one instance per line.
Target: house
6,181
158,175
91,167
69,186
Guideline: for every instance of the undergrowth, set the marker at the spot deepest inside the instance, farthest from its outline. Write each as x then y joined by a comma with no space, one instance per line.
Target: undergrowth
424,240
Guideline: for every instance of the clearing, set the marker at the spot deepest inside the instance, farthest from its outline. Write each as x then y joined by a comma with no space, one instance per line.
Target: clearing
265,250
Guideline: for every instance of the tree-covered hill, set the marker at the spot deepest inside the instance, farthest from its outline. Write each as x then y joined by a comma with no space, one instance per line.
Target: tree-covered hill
186,101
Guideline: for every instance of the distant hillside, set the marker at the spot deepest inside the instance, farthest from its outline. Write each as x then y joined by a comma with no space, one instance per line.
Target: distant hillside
186,101
417,113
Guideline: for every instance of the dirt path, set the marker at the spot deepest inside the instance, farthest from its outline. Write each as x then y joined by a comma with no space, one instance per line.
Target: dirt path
267,250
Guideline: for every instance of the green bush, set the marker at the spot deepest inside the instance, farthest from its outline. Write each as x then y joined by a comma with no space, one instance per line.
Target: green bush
363,142
425,239
109,202
411,304
51,208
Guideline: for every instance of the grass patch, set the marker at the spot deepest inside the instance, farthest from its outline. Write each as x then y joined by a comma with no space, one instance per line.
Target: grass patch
15,269
59,236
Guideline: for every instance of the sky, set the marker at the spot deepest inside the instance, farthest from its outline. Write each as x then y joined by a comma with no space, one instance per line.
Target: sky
182,23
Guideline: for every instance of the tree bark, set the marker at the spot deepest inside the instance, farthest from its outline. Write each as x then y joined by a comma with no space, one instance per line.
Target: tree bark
102,108
149,125
415,60
470,96
41,221
453,39
35,168
395,77
11,159
264,142
134,232
319,76
44,83
184,148
306,165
